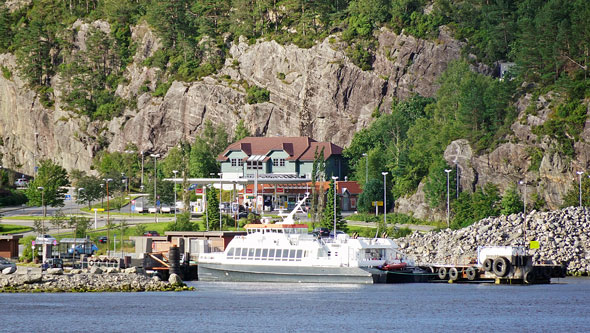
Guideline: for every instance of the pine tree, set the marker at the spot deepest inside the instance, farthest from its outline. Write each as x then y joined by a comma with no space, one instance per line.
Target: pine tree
328,214
511,202
212,211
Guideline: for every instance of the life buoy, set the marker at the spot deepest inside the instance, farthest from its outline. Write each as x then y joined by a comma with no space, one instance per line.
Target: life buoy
501,266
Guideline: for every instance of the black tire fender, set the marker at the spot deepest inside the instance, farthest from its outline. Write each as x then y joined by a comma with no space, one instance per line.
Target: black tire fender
488,265
530,277
501,266
442,273
471,273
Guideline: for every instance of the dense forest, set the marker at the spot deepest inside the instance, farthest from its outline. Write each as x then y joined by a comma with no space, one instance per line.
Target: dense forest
547,40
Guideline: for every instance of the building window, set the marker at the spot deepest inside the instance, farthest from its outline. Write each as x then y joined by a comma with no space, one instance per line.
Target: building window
234,162
240,162
253,165
278,162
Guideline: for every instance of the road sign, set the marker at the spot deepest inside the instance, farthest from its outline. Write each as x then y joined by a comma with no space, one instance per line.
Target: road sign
33,243
68,197
377,203
198,191
158,203
98,209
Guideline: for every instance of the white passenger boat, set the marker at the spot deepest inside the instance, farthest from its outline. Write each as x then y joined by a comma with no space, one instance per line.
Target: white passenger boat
286,252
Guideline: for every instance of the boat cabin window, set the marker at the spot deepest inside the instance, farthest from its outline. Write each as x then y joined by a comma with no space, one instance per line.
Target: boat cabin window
266,254
299,254
374,254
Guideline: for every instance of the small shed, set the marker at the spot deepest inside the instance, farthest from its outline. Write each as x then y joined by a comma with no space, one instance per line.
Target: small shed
9,245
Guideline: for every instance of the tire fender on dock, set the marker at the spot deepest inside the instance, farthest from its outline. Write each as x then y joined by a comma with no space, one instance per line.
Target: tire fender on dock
501,266
442,273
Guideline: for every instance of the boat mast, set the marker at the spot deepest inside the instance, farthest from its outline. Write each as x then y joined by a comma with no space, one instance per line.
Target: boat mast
289,218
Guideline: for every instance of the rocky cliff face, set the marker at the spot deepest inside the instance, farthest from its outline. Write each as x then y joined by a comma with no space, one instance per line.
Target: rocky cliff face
316,92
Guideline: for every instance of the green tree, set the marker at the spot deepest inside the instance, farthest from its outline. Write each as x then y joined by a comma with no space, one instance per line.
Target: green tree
572,197
372,191
435,188
183,223
80,225
241,131
212,209
46,189
59,220
328,213
470,208
511,202
92,190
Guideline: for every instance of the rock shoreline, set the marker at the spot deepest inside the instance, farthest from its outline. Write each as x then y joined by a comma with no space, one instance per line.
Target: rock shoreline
111,280
563,235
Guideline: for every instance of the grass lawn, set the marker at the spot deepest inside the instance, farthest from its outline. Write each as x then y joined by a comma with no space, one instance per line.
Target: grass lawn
13,228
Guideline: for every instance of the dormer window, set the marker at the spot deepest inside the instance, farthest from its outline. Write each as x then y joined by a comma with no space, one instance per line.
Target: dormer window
278,162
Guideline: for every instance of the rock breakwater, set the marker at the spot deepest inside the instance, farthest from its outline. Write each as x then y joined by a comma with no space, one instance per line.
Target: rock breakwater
112,279
563,235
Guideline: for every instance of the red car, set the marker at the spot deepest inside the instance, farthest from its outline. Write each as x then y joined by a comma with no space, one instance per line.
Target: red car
151,233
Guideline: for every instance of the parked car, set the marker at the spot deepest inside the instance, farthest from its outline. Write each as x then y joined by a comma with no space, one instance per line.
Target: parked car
151,233
165,208
152,209
7,266
338,232
321,232
102,239
21,182
45,239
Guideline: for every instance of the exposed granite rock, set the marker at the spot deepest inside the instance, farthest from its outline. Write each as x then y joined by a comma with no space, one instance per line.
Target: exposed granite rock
321,87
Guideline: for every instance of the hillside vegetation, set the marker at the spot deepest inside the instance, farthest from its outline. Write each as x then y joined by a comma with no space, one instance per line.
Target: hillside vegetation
547,40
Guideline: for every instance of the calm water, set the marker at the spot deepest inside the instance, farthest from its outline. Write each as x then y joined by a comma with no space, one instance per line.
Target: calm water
237,307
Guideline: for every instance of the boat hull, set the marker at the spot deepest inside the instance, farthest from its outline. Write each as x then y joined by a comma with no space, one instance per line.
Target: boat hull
297,274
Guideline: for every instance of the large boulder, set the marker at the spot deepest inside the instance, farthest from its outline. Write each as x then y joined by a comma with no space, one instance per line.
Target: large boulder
55,271
95,270
175,279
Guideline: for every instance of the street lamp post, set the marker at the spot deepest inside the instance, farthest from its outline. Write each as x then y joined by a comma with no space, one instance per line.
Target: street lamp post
448,205
335,178
523,182
175,172
80,189
384,173
580,176
43,205
107,180
366,167
155,156
221,188
141,185
35,156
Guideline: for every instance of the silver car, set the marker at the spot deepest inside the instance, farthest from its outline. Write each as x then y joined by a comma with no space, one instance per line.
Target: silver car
6,266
